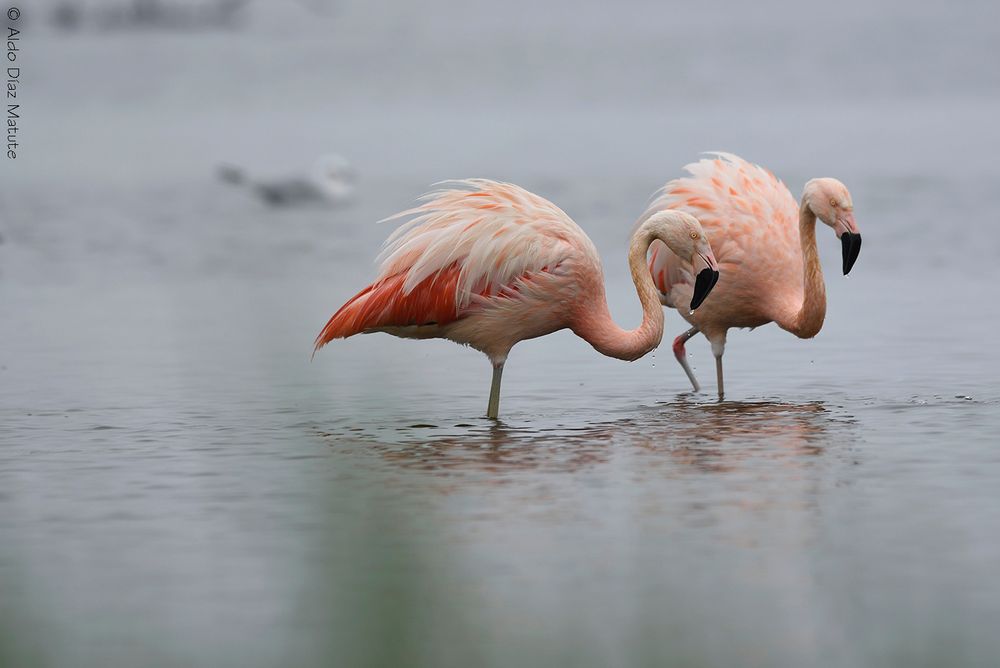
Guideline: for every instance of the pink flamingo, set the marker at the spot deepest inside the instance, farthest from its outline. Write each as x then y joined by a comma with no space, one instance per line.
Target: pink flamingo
766,248
488,264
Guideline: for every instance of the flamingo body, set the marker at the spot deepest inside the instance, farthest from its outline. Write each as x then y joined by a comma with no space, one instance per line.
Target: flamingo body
764,242
485,264
751,220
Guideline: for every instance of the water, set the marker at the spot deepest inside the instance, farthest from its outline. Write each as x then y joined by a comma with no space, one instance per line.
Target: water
181,485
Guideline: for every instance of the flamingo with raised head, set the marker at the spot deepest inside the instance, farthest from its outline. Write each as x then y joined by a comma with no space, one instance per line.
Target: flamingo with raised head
488,264
766,246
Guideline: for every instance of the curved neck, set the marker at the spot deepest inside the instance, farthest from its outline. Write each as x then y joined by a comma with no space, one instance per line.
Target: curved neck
807,322
596,326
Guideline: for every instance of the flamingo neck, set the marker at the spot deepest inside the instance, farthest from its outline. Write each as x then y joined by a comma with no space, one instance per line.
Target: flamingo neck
596,326
808,320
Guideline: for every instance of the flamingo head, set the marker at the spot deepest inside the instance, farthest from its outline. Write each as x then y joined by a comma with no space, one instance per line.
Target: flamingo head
683,234
831,202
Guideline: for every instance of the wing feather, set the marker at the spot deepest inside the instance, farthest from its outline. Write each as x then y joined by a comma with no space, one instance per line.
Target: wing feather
495,232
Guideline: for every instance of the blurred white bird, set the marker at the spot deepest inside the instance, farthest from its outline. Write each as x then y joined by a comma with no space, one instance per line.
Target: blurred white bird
331,182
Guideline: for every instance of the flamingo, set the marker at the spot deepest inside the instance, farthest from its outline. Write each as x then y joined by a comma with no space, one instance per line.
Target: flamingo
766,248
487,264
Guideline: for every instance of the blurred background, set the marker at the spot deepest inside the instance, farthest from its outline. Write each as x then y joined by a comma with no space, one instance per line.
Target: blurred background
195,192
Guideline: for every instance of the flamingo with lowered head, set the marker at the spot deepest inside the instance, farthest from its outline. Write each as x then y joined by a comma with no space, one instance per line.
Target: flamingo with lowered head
766,246
488,264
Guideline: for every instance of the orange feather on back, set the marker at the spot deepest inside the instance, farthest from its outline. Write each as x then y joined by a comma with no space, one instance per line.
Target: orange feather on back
385,304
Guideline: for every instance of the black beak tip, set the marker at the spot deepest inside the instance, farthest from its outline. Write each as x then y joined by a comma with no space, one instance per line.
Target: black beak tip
851,246
703,286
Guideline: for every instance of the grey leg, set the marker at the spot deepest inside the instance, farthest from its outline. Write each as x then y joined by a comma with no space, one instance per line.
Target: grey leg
493,409
718,348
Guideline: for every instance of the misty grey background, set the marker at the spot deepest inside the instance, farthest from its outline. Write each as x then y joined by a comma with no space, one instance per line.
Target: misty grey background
181,485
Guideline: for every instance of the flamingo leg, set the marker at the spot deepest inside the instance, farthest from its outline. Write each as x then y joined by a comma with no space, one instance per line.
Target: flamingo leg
718,376
681,356
493,409
718,348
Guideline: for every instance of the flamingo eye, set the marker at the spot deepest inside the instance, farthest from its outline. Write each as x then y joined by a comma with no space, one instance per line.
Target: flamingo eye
833,203
694,235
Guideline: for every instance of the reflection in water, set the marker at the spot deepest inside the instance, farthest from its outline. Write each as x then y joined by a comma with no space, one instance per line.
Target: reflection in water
707,437
653,513
719,436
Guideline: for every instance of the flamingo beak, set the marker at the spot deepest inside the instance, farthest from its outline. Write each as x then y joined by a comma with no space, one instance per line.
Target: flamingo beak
851,245
850,239
707,278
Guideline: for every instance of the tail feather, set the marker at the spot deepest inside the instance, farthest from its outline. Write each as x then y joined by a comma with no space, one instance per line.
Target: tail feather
345,322
386,304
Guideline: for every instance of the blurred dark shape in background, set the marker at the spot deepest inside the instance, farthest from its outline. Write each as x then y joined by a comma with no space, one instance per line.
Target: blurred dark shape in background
331,183
173,16
157,14
66,16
